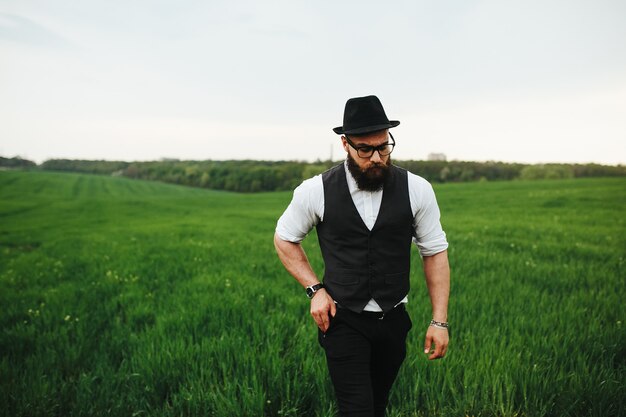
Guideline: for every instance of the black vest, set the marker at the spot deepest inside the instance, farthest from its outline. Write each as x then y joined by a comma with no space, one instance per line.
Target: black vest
361,264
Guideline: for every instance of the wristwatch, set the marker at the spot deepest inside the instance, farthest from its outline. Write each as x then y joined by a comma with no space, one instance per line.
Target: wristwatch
312,289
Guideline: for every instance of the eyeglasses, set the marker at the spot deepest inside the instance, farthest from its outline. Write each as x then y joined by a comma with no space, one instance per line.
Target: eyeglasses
366,151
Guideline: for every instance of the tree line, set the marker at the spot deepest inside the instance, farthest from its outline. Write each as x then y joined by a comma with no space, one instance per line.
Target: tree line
16,162
256,176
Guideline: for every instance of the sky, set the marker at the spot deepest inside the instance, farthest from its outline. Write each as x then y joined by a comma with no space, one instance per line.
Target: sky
515,81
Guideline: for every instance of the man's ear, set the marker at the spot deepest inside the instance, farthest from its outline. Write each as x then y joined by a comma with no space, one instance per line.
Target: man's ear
344,143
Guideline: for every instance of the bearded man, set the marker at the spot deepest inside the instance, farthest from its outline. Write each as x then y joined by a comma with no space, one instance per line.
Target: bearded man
367,213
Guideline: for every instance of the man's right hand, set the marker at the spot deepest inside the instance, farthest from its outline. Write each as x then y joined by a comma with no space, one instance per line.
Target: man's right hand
322,305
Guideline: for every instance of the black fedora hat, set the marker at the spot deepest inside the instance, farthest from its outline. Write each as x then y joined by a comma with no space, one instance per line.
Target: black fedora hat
364,115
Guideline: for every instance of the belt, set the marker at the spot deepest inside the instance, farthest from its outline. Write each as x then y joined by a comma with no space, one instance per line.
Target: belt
377,314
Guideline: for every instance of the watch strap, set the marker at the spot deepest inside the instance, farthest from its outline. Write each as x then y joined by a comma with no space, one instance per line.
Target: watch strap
312,289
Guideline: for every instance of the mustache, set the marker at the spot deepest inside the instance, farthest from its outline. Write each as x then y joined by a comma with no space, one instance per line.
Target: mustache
375,165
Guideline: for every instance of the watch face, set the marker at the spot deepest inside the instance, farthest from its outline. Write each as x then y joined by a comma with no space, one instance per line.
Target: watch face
309,292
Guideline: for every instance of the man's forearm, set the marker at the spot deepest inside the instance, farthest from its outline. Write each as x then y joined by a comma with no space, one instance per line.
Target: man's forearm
293,257
295,261
437,272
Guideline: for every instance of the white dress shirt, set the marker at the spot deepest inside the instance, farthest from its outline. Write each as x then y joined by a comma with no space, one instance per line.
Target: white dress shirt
307,209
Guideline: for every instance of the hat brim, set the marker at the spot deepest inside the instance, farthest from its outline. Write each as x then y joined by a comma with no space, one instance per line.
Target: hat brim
366,129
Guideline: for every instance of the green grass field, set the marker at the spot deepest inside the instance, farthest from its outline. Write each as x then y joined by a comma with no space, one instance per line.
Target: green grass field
133,298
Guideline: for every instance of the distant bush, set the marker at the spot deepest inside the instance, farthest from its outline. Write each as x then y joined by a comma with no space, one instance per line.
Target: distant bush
597,170
444,171
77,165
547,171
16,162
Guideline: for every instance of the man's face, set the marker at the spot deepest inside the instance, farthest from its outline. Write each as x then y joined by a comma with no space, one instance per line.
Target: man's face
370,173
371,139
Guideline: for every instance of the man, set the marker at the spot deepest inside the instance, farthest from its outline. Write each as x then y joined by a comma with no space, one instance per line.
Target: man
367,212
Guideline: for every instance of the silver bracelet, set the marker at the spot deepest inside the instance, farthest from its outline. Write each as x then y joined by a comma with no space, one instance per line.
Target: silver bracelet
440,324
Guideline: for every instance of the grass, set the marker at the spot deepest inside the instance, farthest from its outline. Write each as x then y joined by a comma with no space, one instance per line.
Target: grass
131,298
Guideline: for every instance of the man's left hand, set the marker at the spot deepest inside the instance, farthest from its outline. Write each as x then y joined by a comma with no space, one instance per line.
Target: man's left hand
438,337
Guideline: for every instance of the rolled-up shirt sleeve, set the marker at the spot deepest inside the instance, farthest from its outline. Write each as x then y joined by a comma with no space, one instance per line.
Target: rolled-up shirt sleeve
305,210
428,236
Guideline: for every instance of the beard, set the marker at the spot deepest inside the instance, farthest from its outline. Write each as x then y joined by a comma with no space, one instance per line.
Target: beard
369,179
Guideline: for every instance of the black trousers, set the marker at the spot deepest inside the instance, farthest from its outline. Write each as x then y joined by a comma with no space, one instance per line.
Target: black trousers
364,353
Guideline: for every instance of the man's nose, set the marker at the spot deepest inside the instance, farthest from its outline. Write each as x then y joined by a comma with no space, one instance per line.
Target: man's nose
375,157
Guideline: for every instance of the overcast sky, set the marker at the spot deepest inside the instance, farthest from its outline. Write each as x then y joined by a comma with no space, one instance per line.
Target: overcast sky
526,81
